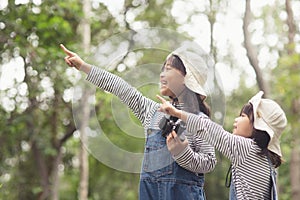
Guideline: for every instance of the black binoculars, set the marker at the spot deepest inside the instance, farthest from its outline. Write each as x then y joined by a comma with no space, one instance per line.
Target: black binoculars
169,123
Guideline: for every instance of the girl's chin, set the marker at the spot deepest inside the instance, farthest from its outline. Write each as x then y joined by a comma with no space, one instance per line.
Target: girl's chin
166,92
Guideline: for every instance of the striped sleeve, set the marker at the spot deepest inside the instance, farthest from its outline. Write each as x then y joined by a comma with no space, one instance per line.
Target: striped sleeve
236,148
198,156
140,105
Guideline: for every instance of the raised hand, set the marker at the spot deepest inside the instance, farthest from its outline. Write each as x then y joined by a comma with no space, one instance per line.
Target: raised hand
72,59
169,109
175,144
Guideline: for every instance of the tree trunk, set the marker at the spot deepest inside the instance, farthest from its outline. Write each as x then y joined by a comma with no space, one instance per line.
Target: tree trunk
292,27
83,156
84,165
251,52
294,170
43,172
55,175
295,159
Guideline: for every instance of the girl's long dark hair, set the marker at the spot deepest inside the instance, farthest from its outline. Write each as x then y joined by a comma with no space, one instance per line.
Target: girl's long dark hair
261,138
202,106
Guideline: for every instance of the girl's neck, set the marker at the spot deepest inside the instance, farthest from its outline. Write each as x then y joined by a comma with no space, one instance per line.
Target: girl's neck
179,98
188,101
180,101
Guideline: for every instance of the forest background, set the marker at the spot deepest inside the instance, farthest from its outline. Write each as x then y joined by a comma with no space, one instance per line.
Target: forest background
49,148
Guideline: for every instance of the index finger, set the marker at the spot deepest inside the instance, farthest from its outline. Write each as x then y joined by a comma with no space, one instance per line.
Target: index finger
68,52
161,99
174,134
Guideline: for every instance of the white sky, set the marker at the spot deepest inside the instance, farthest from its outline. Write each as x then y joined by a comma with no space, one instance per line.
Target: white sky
13,70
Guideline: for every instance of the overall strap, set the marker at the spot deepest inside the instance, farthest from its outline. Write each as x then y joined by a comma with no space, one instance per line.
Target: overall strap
273,178
228,177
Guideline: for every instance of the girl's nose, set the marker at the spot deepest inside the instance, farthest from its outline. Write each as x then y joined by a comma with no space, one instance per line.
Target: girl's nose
162,74
236,119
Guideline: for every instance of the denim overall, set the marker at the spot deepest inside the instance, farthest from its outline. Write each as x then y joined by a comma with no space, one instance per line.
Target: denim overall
162,178
232,192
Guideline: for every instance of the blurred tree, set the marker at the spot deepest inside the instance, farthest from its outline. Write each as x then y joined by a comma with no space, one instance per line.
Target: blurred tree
85,116
40,120
252,52
38,140
288,79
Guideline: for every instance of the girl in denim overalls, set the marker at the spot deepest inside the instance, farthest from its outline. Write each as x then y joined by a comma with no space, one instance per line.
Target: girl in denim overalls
253,148
173,165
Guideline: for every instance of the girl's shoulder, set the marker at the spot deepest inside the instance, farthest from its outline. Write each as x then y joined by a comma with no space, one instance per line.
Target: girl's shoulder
202,114
153,118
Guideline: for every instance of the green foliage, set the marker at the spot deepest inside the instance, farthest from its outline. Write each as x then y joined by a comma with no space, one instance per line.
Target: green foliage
34,32
111,184
286,83
216,179
31,137
156,13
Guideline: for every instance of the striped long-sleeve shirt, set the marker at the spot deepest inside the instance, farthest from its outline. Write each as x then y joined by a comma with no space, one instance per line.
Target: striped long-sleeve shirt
198,156
250,171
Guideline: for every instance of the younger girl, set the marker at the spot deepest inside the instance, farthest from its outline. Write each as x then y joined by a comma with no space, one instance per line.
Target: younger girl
253,148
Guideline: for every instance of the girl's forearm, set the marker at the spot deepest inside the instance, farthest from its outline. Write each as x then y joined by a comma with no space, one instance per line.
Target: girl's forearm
181,115
86,68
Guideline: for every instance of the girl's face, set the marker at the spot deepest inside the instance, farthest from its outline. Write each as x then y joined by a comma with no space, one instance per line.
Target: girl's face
171,81
242,126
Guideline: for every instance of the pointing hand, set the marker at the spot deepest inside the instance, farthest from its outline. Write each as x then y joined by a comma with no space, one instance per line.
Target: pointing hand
72,59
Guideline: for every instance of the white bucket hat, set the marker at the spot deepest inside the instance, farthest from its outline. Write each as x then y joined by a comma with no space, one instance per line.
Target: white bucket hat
269,117
196,68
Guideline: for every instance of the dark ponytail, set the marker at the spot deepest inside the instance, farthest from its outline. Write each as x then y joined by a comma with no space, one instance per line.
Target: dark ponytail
203,106
262,139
